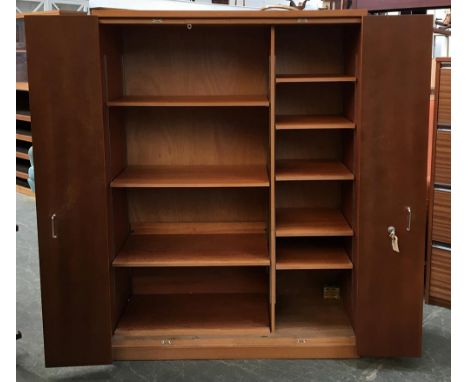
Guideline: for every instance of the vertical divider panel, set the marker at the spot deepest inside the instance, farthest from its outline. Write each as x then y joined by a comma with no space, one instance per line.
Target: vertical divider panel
116,158
272,180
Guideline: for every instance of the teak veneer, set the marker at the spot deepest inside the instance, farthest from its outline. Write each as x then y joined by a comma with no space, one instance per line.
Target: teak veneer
228,183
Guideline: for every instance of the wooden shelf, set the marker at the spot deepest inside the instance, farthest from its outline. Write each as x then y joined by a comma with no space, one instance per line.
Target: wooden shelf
305,122
22,153
22,171
189,101
311,222
24,116
23,135
304,78
298,169
302,255
195,314
24,189
310,316
192,176
194,251
23,86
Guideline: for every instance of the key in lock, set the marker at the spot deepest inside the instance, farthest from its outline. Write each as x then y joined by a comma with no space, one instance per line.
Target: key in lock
394,238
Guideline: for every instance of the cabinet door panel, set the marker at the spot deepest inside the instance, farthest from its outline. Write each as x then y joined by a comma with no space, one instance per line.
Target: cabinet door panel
392,133
71,192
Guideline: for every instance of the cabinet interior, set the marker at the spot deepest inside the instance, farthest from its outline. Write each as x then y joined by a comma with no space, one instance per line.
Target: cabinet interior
232,178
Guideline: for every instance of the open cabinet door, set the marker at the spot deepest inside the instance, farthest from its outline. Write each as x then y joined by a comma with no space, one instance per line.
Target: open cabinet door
71,193
392,189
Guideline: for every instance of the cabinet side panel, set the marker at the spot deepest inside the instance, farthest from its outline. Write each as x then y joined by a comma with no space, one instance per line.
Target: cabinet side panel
395,87
70,168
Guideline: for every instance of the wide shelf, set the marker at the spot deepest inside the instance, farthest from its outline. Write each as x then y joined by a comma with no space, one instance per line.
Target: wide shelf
292,222
194,250
195,315
190,101
306,78
23,115
192,176
303,255
302,169
22,85
309,122
311,316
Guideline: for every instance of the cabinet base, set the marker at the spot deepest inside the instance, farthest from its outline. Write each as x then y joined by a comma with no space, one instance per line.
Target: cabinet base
125,348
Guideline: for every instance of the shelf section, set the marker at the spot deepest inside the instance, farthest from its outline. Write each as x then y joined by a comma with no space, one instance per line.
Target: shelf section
22,171
194,251
191,176
306,122
303,78
312,317
311,222
189,101
22,153
23,86
195,314
301,255
23,115
23,135
298,169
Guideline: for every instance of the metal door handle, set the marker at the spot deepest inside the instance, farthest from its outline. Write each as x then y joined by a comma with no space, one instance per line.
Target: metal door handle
52,222
408,225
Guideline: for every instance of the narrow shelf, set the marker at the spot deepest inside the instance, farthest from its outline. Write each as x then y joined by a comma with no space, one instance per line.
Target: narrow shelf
22,85
194,251
299,169
22,175
311,222
195,314
23,115
304,78
302,255
187,101
310,316
22,152
22,170
23,135
192,176
305,122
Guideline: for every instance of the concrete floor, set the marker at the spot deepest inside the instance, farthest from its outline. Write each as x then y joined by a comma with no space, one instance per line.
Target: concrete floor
434,365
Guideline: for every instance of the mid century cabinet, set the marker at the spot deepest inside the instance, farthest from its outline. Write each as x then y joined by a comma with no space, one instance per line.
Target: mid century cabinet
222,184
438,273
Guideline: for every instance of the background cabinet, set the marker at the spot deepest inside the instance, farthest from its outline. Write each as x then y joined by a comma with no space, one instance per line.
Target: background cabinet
231,200
438,259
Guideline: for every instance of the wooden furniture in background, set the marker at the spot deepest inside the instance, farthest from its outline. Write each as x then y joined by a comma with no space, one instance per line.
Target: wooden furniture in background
438,258
23,115
214,194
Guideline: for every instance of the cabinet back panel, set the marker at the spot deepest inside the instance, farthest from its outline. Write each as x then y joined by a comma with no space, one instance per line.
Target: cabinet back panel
197,205
194,136
199,280
308,194
312,99
316,49
307,282
206,60
310,144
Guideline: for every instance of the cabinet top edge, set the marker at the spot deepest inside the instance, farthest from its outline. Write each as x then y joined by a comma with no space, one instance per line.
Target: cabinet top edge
124,13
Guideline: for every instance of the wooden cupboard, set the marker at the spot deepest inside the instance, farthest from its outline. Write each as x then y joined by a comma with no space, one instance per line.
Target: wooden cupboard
227,183
438,258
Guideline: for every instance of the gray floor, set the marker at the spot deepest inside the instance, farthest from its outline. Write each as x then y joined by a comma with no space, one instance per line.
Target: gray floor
434,365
